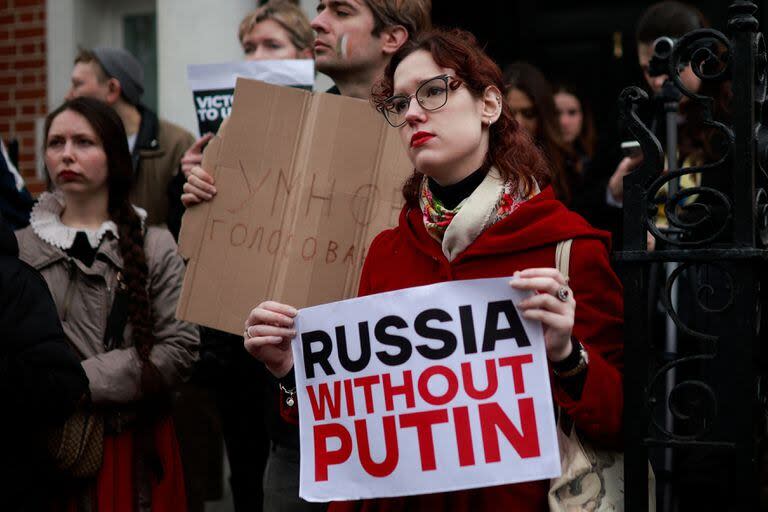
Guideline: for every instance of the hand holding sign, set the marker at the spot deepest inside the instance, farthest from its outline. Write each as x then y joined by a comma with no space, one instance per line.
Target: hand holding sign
268,334
198,188
213,88
428,389
194,155
555,314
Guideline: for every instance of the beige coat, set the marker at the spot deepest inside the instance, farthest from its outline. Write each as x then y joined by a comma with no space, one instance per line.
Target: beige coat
114,375
157,167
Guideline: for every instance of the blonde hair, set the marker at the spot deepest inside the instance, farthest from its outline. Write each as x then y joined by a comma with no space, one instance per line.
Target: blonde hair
286,14
414,15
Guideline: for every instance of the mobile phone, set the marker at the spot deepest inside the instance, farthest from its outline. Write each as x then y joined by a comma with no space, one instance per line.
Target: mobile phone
631,148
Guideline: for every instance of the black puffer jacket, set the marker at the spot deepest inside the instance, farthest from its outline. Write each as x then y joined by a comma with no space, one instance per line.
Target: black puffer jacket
41,379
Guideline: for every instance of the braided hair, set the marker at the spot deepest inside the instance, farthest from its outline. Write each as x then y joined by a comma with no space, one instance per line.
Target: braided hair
109,128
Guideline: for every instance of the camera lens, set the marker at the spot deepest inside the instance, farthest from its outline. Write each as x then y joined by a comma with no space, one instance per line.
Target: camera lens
663,46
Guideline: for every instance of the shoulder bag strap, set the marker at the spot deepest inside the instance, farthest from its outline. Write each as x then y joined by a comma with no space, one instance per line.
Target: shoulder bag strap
563,256
562,264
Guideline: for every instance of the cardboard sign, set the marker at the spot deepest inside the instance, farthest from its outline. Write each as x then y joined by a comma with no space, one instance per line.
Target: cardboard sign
305,182
213,85
430,389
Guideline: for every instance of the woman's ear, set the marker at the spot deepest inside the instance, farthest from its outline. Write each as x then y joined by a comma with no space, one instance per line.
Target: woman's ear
492,103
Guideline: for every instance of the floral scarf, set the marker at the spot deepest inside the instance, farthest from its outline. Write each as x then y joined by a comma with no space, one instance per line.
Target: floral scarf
456,229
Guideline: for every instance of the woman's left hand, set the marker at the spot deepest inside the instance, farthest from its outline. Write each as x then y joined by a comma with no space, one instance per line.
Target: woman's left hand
556,315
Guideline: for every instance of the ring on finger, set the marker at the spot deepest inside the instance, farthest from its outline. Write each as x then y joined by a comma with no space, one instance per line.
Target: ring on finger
563,293
245,334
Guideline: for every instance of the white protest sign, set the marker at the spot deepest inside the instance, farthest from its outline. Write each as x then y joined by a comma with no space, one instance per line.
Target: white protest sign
430,389
213,85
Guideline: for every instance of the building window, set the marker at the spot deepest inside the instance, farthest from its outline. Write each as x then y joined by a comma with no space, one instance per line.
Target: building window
140,38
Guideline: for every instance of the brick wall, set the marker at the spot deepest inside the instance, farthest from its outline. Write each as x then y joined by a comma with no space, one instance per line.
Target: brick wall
22,78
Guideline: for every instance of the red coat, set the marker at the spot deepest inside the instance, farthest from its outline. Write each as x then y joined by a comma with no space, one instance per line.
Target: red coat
407,256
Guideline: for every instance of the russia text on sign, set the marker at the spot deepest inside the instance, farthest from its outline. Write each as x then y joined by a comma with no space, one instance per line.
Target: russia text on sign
428,389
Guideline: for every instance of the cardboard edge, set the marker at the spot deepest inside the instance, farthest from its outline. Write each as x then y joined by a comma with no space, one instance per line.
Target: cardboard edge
192,231
190,234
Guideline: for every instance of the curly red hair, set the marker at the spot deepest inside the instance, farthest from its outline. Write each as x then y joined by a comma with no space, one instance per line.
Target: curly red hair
511,151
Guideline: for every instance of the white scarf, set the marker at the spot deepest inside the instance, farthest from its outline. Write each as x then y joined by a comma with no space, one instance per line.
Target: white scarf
476,213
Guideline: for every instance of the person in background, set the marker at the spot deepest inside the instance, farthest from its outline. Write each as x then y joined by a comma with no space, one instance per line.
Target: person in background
259,448
41,380
671,19
115,77
115,281
475,162
531,98
356,39
15,200
702,468
353,44
277,30
577,126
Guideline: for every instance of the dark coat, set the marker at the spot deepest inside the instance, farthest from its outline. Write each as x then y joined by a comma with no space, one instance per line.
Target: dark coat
41,380
15,203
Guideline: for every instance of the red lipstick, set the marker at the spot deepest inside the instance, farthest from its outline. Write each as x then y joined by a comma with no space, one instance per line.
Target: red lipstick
68,175
420,138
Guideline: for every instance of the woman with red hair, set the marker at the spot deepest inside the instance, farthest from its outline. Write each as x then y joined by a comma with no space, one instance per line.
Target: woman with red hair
474,210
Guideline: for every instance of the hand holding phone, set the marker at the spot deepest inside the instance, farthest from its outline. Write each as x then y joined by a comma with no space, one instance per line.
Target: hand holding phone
631,148
628,164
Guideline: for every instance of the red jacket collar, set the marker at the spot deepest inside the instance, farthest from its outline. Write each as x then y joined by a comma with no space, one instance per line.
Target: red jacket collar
542,220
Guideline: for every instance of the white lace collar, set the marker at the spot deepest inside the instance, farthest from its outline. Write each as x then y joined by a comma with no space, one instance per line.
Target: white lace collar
45,220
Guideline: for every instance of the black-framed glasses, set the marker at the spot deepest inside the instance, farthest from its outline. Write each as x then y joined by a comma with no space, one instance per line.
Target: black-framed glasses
431,94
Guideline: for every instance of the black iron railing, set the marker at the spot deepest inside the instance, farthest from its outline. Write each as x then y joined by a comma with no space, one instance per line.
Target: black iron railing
698,389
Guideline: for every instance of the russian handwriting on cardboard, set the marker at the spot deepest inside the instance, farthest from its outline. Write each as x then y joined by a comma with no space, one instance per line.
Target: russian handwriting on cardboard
304,183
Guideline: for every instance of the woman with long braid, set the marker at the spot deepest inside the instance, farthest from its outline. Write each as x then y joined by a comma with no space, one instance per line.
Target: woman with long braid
115,283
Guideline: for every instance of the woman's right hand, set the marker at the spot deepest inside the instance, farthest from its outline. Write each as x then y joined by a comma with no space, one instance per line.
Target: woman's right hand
198,188
268,334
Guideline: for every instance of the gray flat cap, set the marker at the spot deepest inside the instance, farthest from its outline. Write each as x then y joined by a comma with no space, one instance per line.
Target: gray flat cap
124,67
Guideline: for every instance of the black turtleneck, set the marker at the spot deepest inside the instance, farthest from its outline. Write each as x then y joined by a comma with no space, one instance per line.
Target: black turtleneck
451,195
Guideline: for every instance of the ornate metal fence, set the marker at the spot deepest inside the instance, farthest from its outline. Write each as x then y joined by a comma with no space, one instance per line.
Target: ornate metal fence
706,394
